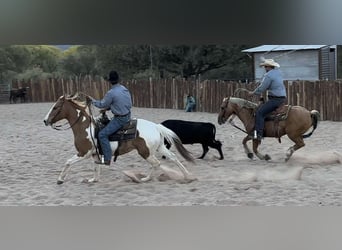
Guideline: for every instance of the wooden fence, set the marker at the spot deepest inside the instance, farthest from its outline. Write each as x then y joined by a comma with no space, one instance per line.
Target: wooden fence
324,96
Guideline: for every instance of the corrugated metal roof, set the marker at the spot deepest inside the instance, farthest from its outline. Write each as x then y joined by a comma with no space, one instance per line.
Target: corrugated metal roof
269,48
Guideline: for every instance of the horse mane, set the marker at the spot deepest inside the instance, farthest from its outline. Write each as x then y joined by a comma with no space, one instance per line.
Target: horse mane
73,98
82,104
243,102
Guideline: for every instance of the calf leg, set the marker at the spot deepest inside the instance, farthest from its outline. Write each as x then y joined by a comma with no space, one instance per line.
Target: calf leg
205,150
218,146
220,152
167,145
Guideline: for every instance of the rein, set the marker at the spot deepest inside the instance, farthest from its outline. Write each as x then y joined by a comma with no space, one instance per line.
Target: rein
77,120
235,126
241,105
91,135
59,127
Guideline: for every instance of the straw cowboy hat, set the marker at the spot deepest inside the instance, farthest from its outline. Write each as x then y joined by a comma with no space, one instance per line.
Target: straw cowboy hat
269,62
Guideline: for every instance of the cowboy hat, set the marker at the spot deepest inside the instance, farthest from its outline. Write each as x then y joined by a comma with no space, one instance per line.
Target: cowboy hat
269,62
113,77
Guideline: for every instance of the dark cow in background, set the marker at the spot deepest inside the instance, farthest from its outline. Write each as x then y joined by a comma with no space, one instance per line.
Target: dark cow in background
195,132
18,93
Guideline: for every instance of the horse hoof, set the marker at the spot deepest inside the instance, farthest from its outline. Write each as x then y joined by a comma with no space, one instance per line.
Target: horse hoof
250,155
187,180
85,180
267,157
59,182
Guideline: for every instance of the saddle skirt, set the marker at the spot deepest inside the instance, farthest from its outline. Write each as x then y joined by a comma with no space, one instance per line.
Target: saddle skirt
279,114
127,132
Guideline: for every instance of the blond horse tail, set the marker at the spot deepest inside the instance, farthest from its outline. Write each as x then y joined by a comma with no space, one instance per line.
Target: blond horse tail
315,117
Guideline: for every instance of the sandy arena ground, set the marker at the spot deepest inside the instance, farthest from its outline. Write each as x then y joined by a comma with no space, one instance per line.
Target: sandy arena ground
32,156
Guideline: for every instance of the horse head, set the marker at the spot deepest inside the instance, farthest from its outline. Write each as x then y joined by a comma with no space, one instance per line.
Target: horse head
226,110
236,106
64,108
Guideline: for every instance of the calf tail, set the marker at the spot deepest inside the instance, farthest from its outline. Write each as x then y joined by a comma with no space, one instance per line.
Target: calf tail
172,138
315,116
214,130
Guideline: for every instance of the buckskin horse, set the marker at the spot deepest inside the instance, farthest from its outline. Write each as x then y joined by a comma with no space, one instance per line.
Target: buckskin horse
149,139
292,121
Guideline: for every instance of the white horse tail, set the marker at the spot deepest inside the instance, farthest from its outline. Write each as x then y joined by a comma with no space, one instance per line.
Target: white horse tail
173,139
315,117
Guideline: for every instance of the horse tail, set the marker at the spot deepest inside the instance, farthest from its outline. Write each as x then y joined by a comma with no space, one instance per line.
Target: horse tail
172,138
315,116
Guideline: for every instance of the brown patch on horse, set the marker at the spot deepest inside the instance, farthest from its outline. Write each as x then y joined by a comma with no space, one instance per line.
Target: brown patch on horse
81,141
138,143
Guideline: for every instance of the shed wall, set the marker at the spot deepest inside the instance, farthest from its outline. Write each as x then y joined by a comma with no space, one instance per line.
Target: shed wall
297,65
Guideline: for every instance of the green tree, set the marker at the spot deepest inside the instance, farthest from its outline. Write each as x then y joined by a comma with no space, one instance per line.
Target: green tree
206,60
80,60
45,57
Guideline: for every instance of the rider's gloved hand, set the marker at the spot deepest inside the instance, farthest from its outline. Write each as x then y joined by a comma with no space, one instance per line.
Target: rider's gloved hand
89,100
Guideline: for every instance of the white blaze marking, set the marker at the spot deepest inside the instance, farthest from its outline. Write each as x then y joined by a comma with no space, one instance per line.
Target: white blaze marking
47,115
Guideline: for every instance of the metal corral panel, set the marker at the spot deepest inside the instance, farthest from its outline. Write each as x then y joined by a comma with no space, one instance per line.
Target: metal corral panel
298,65
4,92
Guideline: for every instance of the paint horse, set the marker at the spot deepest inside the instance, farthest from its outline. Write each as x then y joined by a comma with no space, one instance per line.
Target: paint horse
149,139
293,121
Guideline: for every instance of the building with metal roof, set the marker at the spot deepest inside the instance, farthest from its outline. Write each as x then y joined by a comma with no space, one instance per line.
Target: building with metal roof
297,62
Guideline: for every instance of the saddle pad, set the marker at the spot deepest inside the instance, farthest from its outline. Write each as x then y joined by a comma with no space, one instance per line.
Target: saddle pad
128,132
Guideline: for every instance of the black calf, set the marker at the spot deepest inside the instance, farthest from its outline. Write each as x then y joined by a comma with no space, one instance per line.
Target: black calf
195,132
18,93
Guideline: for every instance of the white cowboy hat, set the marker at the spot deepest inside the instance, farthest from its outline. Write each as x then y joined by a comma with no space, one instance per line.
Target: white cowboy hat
269,62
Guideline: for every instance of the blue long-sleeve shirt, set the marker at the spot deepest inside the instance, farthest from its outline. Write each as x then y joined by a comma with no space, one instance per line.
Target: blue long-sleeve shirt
118,99
273,82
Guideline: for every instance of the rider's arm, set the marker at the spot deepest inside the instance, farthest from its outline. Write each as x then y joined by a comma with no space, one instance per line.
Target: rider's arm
104,103
264,85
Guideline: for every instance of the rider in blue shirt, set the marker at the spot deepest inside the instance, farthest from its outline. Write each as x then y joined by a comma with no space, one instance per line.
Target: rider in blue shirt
273,83
190,103
118,100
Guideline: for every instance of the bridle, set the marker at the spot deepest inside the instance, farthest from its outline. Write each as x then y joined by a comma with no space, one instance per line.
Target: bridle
60,127
230,120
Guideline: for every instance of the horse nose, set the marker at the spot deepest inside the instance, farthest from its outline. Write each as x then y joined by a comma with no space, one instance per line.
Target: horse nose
45,122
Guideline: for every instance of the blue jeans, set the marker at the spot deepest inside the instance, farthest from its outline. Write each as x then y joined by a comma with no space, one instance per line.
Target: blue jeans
263,111
190,107
114,125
